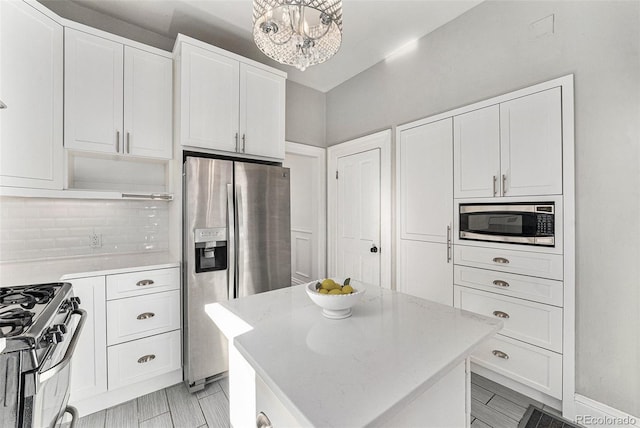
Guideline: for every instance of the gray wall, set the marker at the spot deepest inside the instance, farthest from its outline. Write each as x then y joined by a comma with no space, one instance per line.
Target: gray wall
491,50
306,115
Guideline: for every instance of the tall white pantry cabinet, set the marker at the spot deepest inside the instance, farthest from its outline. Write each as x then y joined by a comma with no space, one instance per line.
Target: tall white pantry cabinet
516,147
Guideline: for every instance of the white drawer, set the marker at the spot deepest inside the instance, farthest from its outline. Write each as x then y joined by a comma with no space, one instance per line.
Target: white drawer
536,367
137,317
520,262
532,322
143,359
142,282
525,287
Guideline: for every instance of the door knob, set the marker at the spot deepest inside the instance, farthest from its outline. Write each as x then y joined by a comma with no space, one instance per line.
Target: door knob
374,249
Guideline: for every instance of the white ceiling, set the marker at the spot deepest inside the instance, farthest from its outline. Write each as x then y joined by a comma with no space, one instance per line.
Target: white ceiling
372,29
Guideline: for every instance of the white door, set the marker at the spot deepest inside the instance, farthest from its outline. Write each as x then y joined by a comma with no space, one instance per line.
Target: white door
93,93
209,104
358,217
31,54
147,104
262,112
426,181
476,153
531,144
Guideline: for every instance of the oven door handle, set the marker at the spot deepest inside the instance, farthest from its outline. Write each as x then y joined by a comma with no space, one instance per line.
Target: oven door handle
48,374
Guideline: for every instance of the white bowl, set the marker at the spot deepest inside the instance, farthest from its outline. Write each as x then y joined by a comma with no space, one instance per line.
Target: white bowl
335,306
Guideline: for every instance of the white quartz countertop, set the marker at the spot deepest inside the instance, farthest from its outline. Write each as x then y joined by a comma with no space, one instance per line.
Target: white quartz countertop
356,371
21,273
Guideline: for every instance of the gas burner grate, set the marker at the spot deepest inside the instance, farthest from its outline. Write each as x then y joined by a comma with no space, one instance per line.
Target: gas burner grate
27,297
14,322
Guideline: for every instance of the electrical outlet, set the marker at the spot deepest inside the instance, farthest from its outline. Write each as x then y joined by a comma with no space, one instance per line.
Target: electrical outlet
95,240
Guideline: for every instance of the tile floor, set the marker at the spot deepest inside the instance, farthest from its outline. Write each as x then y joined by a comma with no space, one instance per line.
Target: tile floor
492,405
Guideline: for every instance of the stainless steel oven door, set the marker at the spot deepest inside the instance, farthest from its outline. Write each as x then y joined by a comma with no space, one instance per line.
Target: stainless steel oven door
52,391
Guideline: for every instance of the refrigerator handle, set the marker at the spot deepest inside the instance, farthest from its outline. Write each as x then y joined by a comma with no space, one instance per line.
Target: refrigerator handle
232,242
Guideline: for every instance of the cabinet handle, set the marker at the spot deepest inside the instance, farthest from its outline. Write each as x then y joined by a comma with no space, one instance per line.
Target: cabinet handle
244,141
146,359
117,141
500,354
500,283
237,149
500,314
2,105
501,260
145,316
448,244
504,184
262,421
495,180
128,142
144,282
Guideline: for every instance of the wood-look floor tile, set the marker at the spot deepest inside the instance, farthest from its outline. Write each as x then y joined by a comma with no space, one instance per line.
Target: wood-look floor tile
477,423
224,384
480,394
184,406
507,407
509,394
216,409
159,421
124,415
152,405
94,420
491,416
210,388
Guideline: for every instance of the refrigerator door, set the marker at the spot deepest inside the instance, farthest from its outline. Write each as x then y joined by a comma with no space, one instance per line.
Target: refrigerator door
263,228
207,264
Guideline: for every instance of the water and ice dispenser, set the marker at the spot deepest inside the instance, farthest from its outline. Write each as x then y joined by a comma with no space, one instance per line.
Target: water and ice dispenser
211,249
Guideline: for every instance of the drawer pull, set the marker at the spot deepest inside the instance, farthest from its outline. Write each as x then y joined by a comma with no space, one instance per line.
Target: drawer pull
500,354
262,421
148,358
501,314
500,283
146,316
144,282
501,260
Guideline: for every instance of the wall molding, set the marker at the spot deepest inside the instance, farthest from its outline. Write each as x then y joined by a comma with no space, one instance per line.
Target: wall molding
592,413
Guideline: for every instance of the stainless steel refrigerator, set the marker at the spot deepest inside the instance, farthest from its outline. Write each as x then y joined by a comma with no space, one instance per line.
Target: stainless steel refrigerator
236,242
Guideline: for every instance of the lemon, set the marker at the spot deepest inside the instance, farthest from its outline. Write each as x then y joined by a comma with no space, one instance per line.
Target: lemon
347,289
323,291
329,284
335,291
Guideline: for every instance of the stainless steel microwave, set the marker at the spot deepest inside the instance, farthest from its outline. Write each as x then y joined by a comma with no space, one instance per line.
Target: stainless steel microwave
514,223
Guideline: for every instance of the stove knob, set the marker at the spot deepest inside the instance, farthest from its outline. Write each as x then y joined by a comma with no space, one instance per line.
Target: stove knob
75,302
53,335
61,328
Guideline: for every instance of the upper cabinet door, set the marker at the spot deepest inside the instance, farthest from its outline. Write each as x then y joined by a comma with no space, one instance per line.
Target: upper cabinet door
209,100
426,181
147,104
531,136
262,112
476,167
31,78
93,93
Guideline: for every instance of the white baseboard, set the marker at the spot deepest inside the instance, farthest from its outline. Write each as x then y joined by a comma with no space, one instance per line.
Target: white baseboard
594,414
296,281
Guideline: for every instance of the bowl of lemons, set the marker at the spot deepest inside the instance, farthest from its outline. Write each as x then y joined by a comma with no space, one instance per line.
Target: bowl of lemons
334,297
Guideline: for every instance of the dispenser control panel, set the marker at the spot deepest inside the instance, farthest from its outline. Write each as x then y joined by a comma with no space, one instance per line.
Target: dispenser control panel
211,235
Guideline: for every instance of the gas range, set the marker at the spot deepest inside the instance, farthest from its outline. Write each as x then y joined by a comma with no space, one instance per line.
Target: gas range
40,325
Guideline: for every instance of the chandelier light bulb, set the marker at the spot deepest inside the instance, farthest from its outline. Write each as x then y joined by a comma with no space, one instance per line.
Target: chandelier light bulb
300,33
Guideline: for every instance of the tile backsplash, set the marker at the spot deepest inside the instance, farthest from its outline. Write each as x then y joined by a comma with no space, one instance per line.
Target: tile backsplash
36,229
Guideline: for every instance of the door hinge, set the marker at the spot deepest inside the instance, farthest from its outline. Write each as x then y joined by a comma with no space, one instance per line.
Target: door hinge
336,175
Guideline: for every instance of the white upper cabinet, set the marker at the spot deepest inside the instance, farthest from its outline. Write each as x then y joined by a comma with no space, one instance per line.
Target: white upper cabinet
262,112
115,101
226,104
531,144
476,137
209,105
426,181
31,82
510,149
148,81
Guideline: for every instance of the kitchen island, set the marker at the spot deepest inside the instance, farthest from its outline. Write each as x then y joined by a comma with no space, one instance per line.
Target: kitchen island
397,361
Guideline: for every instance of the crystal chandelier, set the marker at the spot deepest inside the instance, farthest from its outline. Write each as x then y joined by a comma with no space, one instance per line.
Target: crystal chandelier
298,32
